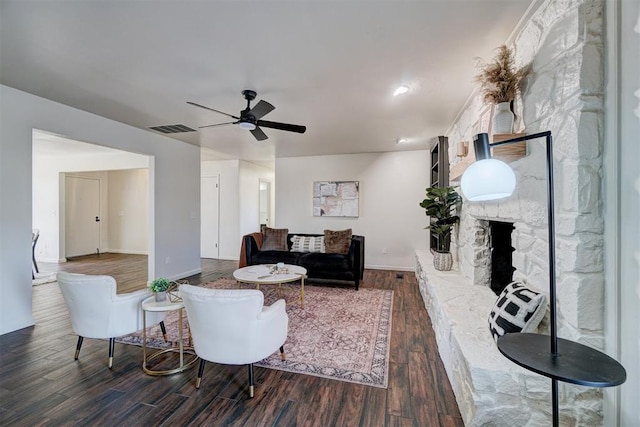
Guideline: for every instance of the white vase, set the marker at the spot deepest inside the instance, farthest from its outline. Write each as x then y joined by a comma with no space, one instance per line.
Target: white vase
503,118
161,296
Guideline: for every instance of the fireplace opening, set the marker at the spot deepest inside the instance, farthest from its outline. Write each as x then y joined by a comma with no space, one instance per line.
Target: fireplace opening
501,255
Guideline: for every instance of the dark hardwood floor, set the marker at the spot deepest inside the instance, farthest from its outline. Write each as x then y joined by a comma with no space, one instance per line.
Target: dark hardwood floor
41,384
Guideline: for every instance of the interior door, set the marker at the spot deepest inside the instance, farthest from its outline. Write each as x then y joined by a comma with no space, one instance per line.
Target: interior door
209,216
82,216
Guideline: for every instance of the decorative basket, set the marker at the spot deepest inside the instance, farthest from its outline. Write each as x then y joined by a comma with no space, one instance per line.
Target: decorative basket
442,261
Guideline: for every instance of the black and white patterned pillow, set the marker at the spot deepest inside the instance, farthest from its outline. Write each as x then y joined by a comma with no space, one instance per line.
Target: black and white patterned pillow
518,309
307,243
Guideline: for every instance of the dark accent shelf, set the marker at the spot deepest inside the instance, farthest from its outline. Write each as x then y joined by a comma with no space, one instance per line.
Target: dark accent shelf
575,363
439,173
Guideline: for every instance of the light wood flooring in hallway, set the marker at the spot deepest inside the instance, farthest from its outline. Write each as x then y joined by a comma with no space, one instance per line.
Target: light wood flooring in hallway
41,384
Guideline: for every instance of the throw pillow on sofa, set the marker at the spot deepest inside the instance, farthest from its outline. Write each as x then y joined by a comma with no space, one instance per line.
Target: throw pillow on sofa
337,242
307,244
518,309
274,239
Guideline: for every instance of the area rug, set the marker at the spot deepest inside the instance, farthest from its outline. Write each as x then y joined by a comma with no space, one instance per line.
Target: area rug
342,334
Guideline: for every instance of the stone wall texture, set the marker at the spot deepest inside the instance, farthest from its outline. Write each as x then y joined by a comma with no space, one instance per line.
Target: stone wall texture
564,43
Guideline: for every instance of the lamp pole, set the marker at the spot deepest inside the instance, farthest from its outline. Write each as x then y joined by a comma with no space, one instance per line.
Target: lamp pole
566,361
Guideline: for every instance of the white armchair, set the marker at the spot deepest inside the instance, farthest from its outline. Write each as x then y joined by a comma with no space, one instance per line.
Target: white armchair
231,326
98,312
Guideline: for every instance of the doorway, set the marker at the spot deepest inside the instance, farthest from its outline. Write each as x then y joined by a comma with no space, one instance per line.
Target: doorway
209,216
265,203
119,181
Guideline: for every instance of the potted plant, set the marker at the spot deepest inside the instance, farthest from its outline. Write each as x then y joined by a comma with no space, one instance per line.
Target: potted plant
160,286
440,204
500,81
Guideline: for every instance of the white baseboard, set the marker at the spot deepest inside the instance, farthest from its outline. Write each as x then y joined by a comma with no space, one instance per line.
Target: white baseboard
125,251
52,260
389,267
185,274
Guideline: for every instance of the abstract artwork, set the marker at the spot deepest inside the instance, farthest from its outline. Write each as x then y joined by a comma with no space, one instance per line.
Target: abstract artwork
335,198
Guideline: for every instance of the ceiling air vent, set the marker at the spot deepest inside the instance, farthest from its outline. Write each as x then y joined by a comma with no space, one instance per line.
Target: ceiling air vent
172,128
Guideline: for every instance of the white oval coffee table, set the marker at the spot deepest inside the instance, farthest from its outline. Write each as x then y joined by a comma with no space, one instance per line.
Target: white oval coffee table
262,275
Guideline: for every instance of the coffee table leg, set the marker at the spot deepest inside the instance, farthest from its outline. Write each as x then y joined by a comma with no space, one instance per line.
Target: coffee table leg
302,292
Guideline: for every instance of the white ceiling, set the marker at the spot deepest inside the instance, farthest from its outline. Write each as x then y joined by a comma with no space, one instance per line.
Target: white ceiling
329,65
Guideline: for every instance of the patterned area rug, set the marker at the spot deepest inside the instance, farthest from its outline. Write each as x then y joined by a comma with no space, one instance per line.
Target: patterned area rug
341,334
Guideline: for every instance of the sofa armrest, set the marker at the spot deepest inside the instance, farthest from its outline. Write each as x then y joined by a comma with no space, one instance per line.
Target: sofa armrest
356,255
250,248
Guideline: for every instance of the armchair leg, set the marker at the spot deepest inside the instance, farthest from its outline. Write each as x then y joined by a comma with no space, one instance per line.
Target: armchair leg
80,339
282,355
164,331
112,344
200,372
250,379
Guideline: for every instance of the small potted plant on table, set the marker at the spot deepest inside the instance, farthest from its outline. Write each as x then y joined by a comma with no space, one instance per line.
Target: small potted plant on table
160,286
440,205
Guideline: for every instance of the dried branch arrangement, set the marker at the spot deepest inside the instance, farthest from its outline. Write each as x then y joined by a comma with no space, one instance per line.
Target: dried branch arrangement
500,81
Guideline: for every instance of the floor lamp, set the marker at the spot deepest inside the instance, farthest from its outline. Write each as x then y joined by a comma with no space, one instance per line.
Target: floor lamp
553,357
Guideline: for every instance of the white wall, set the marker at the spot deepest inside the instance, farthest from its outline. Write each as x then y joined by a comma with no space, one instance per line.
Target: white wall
127,211
175,193
391,187
622,208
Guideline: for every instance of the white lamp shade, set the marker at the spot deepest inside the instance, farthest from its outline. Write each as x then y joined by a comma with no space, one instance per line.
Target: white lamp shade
247,126
488,179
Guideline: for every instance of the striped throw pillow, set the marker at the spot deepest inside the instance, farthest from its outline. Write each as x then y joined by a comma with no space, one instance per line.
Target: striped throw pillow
307,243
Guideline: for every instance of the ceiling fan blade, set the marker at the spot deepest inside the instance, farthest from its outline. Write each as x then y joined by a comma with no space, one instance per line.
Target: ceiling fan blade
282,126
212,109
217,124
258,134
261,108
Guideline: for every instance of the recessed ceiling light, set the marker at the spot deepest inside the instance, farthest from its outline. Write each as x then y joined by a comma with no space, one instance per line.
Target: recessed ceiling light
402,140
401,90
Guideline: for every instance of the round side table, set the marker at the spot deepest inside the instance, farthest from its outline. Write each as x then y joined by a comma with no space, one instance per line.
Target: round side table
150,304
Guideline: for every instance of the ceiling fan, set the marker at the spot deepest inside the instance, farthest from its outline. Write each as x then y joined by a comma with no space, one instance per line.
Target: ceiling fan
250,117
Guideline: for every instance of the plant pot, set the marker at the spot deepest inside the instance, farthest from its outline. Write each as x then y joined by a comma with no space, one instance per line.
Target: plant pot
503,118
442,261
161,296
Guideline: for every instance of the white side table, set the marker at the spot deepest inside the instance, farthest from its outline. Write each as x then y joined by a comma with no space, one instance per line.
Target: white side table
150,304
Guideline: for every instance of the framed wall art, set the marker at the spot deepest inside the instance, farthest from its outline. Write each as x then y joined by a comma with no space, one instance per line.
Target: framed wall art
336,198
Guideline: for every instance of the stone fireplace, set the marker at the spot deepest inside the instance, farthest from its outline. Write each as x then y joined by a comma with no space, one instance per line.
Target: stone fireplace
563,95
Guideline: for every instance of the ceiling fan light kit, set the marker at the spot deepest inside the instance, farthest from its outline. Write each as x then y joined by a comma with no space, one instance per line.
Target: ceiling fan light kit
401,90
249,118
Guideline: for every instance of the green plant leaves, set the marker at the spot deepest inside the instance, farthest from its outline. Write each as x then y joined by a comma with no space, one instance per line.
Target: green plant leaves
440,204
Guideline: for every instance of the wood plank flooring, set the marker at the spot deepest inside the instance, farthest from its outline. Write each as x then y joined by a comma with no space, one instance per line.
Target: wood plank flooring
41,384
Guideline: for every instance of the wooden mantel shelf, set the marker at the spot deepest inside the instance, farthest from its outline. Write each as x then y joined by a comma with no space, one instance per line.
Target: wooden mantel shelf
507,154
